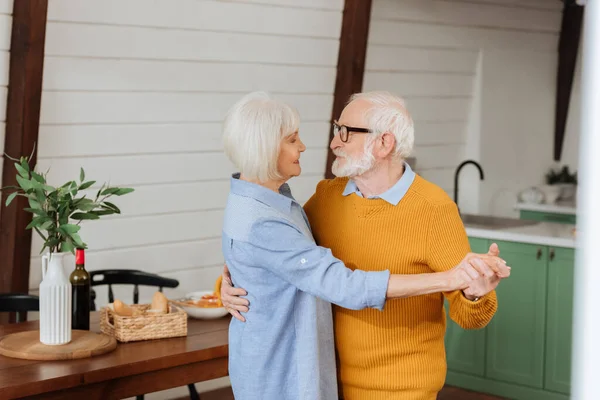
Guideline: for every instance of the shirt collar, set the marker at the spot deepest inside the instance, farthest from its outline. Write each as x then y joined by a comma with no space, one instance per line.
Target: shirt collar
394,194
282,201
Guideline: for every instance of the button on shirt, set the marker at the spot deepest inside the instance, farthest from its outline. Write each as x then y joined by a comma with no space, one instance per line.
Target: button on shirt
285,349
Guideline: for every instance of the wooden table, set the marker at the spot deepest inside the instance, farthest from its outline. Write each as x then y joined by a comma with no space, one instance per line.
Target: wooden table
131,369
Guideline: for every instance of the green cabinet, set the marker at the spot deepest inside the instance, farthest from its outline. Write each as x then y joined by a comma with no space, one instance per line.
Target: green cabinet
515,341
560,320
525,351
465,349
548,217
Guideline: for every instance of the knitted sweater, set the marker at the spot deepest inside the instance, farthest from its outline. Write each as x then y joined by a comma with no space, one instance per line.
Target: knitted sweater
397,353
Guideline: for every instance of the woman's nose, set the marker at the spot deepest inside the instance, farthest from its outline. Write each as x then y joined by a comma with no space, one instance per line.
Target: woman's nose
302,146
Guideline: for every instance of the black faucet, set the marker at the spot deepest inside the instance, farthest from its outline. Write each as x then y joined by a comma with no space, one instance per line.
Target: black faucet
462,164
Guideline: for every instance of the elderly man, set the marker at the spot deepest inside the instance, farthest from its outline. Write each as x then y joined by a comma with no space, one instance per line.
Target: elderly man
379,212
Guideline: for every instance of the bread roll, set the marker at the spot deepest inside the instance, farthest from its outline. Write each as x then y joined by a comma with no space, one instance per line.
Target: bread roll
122,309
160,304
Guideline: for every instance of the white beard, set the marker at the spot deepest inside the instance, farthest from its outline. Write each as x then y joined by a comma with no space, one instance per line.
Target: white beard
353,167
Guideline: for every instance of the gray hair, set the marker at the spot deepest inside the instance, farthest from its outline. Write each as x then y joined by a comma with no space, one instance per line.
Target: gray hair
254,127
388,114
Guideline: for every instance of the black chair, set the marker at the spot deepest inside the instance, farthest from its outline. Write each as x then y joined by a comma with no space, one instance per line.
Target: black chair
19,304
136,278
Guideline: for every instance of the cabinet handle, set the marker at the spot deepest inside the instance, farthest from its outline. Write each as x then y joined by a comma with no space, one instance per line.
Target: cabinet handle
539,253
551,254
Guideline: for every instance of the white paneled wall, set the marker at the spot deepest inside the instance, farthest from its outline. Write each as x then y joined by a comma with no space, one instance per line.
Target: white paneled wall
136,91
6,7
428,51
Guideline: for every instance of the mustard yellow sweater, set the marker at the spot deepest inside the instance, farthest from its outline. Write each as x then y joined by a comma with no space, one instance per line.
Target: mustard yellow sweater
398,353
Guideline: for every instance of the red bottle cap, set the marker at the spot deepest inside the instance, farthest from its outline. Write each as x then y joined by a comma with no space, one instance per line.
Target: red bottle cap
79,257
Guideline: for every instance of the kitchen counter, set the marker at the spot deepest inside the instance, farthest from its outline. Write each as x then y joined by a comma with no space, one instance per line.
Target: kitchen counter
542,233
565,207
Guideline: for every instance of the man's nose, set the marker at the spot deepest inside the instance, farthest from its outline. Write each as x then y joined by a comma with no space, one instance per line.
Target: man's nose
335,142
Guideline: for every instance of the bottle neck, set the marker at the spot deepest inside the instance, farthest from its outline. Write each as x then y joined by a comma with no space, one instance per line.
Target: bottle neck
80,266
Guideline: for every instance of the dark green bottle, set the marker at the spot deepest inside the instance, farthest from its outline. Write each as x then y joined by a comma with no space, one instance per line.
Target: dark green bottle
80,284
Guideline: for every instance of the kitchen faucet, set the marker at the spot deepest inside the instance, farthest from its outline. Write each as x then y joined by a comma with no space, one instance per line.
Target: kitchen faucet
457,173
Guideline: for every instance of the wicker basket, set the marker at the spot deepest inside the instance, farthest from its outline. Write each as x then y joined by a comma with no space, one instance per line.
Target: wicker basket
143,326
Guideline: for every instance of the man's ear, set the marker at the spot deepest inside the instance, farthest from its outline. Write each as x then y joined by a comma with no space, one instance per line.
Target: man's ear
387,143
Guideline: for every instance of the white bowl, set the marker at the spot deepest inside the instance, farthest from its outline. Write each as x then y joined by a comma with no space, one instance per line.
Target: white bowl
202,312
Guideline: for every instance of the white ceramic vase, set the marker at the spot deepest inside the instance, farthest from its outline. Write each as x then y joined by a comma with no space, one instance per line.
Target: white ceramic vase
55,301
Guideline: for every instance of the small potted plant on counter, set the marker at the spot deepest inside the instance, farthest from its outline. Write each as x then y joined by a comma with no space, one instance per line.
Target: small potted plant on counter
564,179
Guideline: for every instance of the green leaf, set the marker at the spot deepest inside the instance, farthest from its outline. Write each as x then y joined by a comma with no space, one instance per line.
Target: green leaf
37,221
110,206
47,225
86,185
85,205
77,239
82,216
109,191
38,177
124,191
37,211
66,185
11,197
40,233
24,183
103,212
81,175
48,188
67,229
40,196
25,164
22,171
67,245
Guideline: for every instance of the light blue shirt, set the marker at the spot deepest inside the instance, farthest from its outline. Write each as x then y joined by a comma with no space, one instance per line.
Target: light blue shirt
394,194
285,349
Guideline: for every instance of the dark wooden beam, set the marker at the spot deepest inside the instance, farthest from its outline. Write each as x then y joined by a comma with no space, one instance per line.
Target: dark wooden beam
351,60
22,123
570,33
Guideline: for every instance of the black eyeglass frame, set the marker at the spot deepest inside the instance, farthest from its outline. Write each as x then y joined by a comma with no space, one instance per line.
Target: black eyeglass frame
344,131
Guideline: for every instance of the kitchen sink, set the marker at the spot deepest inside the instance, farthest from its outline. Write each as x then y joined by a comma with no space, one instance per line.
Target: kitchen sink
488,221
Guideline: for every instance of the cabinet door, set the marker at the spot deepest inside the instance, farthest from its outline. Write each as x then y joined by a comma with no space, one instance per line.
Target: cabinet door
515,336
561,267
465,349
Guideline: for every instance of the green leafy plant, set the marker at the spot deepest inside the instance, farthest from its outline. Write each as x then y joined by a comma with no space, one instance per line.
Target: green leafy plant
561,175
57,211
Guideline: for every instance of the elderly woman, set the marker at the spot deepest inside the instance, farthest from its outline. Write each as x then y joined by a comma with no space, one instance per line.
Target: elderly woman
285,349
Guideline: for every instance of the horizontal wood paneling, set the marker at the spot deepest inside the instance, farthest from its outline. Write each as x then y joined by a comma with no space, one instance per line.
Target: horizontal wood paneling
427,133
100,107
436,109
414,84
200,15
414,59
518,4
442,156
99,140
182,76
6,7
68,39
148,230
316,4
138,99
466,14
158,168
416,34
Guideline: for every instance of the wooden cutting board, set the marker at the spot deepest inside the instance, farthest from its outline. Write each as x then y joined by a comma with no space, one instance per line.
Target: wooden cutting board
83,344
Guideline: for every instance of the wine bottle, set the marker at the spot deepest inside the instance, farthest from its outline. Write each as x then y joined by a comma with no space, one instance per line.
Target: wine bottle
80,283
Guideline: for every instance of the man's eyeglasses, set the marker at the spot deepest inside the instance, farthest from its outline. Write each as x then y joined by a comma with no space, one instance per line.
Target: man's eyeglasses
344,131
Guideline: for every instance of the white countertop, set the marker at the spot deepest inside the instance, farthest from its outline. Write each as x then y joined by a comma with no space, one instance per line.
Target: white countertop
543,233
557,208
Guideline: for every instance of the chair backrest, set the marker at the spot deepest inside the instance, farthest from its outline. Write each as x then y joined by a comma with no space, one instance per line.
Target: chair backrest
127,276
19,303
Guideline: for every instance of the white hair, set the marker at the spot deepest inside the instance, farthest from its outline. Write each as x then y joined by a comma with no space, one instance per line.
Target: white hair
388,114
253,129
